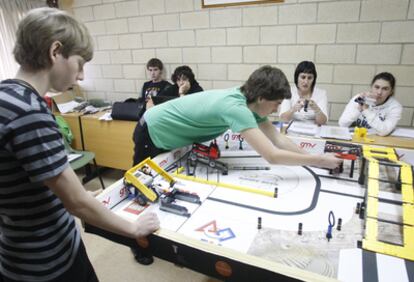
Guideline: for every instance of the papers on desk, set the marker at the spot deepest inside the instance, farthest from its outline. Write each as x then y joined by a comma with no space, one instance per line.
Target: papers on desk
403,132
67,107
65,102
324,131
73,157
335,132
302,128
106,117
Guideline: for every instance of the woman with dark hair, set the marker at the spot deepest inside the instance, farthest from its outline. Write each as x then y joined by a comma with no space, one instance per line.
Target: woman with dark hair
308,103
184,83
204,116
376,109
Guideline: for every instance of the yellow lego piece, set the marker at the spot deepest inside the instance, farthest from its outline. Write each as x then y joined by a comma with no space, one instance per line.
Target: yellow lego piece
372,207
408,214
132,178
370,242
385,153
371,229
360,132
226,185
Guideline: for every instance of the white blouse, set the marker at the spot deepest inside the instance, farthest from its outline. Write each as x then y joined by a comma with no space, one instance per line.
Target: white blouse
318,96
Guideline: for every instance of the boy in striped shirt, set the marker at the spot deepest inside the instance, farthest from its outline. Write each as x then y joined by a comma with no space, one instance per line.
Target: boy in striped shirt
39,192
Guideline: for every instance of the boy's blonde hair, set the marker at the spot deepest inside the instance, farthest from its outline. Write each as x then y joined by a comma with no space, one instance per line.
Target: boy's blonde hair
43,26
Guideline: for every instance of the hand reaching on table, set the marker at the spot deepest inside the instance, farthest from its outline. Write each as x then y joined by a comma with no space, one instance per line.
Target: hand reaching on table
329,160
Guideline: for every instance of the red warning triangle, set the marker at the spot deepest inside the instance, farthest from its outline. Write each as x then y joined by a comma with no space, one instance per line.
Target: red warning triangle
213,224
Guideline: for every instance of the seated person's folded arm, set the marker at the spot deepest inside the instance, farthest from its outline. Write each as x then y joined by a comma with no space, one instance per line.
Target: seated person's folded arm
386,126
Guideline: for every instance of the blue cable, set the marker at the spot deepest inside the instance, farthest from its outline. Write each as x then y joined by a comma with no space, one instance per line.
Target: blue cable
331,220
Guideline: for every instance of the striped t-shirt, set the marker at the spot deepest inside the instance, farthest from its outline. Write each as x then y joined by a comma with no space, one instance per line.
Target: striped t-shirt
38,237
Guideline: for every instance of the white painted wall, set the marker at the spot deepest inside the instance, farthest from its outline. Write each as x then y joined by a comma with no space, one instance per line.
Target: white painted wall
349,40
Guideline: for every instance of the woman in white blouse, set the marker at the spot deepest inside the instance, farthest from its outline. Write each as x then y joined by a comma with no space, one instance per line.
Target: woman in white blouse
308,103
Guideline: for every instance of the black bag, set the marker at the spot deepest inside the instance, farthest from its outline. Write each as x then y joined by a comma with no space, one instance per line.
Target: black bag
130,109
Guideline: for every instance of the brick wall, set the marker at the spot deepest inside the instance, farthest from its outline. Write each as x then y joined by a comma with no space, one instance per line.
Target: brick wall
350,41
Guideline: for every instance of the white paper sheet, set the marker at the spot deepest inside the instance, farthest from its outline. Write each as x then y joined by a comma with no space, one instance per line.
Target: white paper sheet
67,107
303,128
106,117
72,157
335,132
403,132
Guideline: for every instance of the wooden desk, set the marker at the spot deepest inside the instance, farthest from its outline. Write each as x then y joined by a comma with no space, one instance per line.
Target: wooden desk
387,141
111,141
73,119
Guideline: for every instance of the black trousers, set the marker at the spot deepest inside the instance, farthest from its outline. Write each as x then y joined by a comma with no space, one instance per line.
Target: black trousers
80,271
144,147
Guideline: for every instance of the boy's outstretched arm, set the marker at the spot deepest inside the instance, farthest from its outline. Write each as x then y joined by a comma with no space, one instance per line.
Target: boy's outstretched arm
278,139
262,144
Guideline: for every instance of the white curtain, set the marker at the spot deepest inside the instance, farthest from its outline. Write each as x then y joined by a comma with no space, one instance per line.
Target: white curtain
11,12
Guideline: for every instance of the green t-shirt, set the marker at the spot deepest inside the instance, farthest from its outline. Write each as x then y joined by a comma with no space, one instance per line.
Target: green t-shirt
199,117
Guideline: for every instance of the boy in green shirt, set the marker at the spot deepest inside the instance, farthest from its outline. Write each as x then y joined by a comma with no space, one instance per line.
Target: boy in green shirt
203,116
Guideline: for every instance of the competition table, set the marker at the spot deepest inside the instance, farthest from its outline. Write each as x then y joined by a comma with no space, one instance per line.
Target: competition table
224,237
111,141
